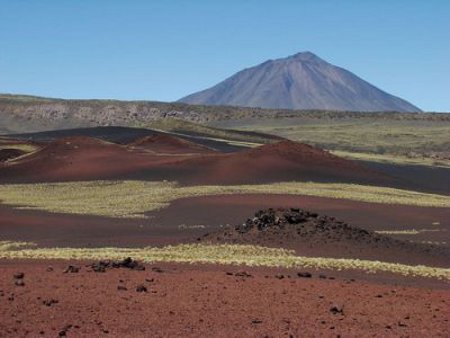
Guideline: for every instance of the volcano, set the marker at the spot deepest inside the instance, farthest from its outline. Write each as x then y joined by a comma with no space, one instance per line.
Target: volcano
300,81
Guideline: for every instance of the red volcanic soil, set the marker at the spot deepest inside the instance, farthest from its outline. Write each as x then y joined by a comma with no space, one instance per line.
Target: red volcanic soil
282,161
87,158
205,301
187,219
169,144
64,230
79,158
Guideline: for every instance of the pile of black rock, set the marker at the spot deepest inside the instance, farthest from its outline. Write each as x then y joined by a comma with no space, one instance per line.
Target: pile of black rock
128,263
303,223
270,218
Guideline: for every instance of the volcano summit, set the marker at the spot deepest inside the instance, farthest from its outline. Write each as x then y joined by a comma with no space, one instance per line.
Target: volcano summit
300,81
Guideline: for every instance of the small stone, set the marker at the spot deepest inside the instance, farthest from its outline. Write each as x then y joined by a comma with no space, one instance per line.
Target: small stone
304,275
19,275
335,309
72,269
50,302
19,282
141,288
242,274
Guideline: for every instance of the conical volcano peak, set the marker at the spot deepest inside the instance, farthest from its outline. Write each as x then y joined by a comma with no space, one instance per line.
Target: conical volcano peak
306,57
299,81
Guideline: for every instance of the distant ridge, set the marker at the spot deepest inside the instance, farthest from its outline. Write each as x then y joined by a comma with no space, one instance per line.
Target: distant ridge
300,81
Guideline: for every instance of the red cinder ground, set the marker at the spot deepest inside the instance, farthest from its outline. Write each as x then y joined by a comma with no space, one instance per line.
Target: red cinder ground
211,301
170,158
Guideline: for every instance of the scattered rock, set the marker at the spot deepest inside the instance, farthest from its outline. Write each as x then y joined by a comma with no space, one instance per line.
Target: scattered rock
128,263
19,282
279,276
293,225
121,288
64,330
158,270
49,269
304,274
50,302
141,288
19,275
72,269
243,274
256,321
337,309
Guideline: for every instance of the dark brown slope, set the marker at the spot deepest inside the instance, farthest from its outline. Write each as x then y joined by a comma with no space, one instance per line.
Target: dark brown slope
195,133
86,158
282,161
165,143
78,158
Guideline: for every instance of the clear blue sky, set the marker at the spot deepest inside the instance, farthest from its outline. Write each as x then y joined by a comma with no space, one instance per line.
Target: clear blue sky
163,50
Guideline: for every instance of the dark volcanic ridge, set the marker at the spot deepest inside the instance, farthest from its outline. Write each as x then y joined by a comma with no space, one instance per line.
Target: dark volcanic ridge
300,81
8,154
128,135
165,157
279,162
169,144
325,236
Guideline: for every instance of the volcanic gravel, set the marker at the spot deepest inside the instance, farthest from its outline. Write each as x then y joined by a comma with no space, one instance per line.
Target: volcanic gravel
206,301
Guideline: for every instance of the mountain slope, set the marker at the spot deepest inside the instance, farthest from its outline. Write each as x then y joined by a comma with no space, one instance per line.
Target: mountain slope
300,81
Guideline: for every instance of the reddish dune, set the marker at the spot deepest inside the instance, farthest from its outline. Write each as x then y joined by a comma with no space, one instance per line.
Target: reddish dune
169,144
76,158
171,158
282,161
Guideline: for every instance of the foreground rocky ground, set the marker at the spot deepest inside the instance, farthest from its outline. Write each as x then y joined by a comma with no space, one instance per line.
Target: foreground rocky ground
55,298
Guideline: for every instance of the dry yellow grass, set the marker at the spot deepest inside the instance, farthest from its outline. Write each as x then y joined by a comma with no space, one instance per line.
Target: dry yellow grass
20,146
225,254
133,198
407,232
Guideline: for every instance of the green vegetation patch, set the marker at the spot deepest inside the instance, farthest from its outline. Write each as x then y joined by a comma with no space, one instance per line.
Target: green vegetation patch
133,198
